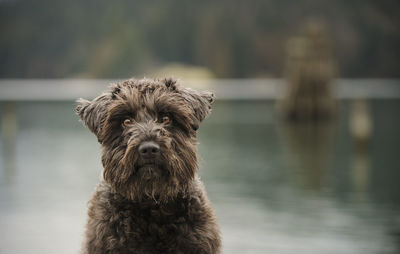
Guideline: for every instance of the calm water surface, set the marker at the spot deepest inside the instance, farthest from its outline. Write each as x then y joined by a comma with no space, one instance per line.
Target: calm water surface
276,188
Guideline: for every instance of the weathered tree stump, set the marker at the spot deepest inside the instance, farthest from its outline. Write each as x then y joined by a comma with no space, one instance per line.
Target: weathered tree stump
309,72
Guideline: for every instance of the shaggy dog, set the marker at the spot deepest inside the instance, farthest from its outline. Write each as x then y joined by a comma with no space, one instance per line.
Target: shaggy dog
150,198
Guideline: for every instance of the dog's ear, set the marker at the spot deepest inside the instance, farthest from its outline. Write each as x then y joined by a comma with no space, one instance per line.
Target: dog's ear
93,113
201,103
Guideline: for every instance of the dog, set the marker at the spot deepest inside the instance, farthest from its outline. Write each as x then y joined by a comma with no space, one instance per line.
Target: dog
150,198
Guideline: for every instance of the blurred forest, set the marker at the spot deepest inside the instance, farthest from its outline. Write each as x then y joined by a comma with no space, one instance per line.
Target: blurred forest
231,38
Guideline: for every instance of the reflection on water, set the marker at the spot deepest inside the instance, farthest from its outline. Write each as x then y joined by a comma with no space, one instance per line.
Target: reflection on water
309,147
360,126
8,137
276,188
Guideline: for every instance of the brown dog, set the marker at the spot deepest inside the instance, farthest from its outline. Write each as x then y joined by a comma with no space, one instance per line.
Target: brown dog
150,199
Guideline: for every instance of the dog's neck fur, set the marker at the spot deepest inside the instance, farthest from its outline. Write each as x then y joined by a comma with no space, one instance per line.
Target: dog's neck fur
183,193
159,191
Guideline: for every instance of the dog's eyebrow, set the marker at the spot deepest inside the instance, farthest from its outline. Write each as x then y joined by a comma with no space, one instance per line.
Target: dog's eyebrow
177,107
170,104
120,110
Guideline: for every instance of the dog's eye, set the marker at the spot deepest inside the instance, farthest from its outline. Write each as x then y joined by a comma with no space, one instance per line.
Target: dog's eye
165,119
127,122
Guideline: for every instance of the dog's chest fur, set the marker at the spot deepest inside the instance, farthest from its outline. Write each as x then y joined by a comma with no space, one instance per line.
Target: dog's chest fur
147,226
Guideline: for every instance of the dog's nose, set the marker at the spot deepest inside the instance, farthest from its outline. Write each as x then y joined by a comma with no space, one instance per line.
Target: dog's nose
149,149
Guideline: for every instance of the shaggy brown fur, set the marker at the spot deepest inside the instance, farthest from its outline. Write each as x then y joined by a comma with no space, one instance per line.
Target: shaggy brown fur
149,205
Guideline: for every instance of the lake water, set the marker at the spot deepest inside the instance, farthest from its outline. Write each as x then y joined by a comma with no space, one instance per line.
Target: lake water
276,187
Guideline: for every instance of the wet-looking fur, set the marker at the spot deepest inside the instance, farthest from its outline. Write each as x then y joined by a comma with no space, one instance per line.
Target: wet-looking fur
140,207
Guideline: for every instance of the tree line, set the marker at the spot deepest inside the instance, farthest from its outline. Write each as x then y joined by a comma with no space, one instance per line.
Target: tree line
232,38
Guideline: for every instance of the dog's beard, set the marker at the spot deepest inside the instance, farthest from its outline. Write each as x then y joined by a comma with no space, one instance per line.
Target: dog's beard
140,180
148,172
152,182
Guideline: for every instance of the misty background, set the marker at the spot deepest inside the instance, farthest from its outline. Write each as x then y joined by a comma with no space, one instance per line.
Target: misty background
230,38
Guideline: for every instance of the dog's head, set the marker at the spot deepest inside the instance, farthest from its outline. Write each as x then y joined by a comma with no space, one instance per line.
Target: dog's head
147,129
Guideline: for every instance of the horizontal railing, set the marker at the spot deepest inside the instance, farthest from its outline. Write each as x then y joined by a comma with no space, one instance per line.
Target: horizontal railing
225,89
